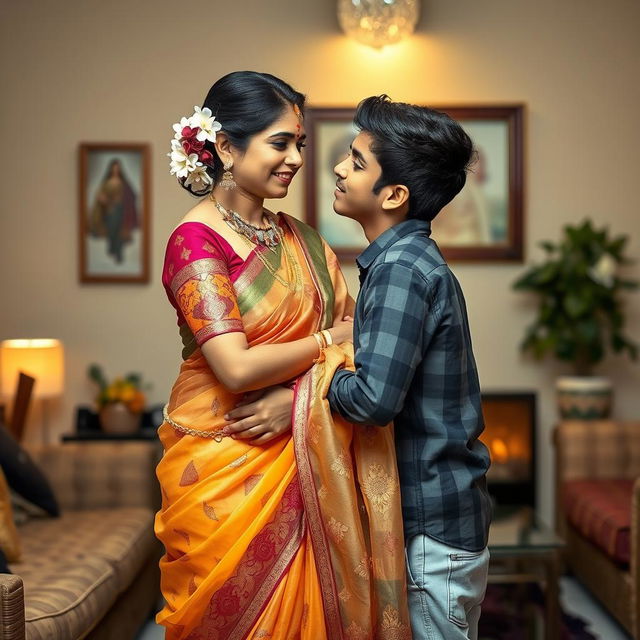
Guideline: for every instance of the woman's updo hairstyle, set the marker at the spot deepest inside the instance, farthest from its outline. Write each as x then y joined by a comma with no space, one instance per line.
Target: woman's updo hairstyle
245,103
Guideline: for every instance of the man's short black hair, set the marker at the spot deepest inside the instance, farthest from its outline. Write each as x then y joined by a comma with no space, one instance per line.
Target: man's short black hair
423,149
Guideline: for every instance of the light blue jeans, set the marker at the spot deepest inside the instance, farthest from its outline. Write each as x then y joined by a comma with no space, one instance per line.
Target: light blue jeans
446,588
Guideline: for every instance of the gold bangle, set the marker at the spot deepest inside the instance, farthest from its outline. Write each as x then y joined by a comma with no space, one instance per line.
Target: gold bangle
320,340
327,336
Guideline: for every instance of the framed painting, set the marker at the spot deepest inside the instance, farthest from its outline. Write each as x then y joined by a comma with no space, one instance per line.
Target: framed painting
483,223
114,210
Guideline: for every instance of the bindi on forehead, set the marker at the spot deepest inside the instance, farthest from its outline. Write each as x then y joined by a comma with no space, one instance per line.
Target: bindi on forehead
298,113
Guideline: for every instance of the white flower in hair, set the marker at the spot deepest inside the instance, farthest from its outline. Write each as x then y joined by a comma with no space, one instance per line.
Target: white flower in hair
181,163
198,179
208,125
179,126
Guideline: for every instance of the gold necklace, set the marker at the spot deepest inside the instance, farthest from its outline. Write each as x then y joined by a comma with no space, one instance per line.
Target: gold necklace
270,237
267,236
297,271
291,262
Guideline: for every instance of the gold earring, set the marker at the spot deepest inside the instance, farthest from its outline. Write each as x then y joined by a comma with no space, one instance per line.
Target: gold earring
227,182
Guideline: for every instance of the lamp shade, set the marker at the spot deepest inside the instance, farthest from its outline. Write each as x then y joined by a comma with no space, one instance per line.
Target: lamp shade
42,359
378,22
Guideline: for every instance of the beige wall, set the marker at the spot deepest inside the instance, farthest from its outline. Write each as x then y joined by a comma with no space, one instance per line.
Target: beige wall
124,71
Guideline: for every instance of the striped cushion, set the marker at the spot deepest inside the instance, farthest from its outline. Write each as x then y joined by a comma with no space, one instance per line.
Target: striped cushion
66,601
599,449
91,475
75,566
126,540
601,511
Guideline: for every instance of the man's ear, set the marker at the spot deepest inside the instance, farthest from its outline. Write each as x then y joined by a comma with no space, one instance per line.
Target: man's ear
396,197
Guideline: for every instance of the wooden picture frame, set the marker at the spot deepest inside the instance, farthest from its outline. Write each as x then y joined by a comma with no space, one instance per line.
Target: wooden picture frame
114,212
484,222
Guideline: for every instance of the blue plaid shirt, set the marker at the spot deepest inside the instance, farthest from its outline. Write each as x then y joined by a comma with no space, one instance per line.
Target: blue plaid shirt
414,366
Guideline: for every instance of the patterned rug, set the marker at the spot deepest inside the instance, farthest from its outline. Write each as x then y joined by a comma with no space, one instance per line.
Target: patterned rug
514,612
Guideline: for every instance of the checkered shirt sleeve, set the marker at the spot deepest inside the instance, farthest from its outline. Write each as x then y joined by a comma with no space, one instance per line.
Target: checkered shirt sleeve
390,343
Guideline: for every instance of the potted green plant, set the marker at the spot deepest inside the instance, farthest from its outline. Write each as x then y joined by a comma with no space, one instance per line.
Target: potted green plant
120,402
580,313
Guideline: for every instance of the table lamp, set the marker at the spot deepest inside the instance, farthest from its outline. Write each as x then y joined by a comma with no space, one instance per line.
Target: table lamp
42,359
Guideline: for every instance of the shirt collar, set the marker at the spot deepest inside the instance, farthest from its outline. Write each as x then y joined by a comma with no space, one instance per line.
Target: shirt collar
390,237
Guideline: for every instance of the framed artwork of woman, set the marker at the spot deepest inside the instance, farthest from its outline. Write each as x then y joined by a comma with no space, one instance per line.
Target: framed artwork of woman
114,213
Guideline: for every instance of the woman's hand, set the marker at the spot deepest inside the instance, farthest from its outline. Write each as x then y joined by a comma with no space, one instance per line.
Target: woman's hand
342,330
261,416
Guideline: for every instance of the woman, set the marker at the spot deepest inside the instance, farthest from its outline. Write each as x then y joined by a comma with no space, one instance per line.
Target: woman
114,213
268,535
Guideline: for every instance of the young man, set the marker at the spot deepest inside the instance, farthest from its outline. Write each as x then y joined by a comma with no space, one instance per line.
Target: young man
413,359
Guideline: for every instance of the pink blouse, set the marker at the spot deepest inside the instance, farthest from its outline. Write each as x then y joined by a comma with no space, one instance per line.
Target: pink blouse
200,267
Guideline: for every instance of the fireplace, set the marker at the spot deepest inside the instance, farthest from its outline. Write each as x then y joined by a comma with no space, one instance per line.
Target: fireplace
510,430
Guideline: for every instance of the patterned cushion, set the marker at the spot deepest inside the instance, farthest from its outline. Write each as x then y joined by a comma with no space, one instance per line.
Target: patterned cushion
599,449
75,566
601,511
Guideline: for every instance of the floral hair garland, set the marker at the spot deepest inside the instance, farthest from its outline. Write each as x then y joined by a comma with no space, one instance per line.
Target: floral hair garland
189,158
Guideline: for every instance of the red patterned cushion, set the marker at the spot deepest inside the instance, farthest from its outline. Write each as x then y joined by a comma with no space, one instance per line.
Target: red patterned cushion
601,511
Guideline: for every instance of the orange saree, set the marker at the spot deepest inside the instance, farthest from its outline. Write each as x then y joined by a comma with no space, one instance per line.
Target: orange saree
300,538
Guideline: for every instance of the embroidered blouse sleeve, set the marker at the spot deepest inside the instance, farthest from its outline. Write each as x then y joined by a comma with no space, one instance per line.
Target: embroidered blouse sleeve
198,277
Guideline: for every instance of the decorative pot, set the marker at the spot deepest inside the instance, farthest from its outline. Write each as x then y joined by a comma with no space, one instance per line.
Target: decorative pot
584,397
116,418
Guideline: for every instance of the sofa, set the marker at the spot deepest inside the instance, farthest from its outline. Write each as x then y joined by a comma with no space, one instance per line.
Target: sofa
598,511
93,571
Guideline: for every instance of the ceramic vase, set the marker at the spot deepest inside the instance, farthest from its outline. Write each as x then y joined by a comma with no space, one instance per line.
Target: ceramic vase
116,418
584,397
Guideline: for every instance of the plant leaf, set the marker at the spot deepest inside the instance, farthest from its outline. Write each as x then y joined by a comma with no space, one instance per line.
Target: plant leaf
575,305
96,374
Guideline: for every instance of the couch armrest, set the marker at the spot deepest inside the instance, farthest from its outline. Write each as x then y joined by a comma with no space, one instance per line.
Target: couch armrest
92,475
11,607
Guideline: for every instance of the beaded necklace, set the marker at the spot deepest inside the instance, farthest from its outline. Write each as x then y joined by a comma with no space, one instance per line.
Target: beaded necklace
269,237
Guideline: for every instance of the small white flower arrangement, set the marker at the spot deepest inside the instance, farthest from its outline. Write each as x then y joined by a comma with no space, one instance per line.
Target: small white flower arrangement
203,119
189,158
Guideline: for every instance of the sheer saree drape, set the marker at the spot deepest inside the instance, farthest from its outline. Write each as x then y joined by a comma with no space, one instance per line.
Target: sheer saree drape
300,538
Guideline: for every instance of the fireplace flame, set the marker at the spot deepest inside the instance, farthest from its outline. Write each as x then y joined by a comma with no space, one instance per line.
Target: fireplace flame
499,451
